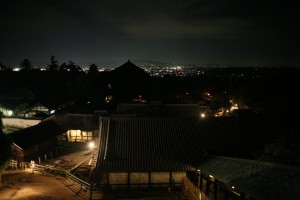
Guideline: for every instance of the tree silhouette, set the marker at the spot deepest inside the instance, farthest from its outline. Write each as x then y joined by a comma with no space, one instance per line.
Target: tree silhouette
2,66
63,67
93,69
26,65
53,66
70,67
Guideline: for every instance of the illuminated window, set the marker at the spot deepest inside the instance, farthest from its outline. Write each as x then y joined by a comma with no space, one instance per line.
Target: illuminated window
79,136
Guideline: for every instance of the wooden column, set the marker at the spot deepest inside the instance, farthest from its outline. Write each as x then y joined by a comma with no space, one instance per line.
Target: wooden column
128,180
201,181
149,180
170,179
216,189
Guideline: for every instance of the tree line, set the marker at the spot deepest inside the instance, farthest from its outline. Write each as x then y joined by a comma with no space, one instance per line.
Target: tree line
26,65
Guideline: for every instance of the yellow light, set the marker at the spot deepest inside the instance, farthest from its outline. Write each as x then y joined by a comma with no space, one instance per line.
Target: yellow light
211,176
232,187
202,115
91,145
32,163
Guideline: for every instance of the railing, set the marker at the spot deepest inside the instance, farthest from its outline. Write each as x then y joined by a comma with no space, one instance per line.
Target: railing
83,188
191,192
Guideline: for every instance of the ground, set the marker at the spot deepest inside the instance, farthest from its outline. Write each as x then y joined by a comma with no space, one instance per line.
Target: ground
25,185
29,186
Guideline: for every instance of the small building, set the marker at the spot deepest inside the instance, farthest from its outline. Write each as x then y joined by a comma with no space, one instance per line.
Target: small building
15,103
39,110
34,141
80,127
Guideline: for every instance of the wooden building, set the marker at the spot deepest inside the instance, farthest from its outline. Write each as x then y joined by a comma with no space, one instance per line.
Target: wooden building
80,127
149,152
221,178
36,140
16,103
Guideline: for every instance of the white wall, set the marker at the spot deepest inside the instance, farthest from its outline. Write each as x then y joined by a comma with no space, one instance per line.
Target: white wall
19,122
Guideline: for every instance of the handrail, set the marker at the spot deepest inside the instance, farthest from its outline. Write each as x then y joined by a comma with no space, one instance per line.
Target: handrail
89,157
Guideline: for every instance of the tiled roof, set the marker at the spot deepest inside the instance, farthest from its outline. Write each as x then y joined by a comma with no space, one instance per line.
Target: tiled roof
264,180
165,144
36,134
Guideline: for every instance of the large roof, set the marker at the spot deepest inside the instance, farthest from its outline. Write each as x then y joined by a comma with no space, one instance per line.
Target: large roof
36,134
164,144
170,110
129,68
264,180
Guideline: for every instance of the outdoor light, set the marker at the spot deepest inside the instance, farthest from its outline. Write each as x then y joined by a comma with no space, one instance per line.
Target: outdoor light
91,145
9,113
202,115
32,164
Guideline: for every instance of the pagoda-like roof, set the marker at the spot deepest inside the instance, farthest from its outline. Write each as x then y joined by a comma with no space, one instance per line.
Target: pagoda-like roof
129,68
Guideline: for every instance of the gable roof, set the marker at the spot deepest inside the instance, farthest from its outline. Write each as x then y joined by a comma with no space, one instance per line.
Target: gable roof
36,134
129,68
164,144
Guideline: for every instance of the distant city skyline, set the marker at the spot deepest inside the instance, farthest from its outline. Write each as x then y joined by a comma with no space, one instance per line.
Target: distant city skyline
178,31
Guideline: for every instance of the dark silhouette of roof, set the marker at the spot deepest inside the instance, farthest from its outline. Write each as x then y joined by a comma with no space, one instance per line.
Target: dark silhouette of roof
129,68
170,110
36,134
79,121
22,93
164,144
18,97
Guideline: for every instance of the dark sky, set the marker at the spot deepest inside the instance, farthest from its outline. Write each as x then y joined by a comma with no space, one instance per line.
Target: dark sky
246,32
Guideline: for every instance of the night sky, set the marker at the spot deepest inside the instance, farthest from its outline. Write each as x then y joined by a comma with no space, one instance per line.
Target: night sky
226,32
